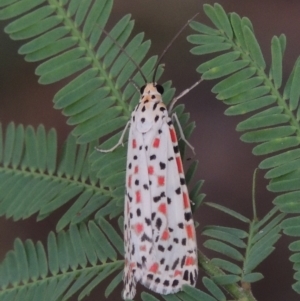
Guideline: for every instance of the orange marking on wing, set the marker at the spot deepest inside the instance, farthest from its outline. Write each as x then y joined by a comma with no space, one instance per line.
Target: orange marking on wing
189,231
179,164
129,181
177,272
138,227
161,181
156,142
133,143
186,201
154,268
138,196
173,135
162,208
165,235
189,261
136,169
150,170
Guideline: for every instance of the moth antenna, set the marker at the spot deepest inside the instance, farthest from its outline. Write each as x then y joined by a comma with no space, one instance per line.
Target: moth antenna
169,45
125,52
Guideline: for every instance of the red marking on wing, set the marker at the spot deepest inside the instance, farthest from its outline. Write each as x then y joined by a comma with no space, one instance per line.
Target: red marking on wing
136,169
143,248
138,196
189,231
165,235
138,227
156,142
161,181
162,208
179,165
154,268
129,181
150,170
173,135
133,143
177,272
186,201
189,261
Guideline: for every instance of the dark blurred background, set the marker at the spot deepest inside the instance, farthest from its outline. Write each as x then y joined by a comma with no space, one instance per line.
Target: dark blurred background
226,164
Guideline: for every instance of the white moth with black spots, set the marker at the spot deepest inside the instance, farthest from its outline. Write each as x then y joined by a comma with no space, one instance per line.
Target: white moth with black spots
159,233
160,240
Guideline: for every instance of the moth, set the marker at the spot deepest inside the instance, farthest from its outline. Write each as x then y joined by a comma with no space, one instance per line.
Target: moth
159,233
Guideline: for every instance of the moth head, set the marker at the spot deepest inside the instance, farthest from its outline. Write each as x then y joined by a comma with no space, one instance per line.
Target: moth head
152,89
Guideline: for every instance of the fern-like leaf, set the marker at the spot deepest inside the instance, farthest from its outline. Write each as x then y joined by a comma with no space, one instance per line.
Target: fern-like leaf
75,262
36,183
248,89
250,249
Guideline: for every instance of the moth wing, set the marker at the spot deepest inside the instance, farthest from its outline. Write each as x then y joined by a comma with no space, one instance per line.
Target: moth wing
173,260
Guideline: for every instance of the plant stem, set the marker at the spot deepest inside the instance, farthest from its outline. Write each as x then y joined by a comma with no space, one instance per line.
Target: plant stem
236,291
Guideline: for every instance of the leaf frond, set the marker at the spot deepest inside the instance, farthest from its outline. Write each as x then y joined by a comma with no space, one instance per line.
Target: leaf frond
270,108
73,263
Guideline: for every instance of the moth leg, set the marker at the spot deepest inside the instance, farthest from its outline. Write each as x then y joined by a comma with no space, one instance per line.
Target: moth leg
174,117
135,84
120,142
175,99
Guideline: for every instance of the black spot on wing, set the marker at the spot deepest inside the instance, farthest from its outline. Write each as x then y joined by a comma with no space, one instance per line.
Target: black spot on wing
178,190
161,248
158,223
187,216
175,282
162,165
180,225
175,264
152,157
166,283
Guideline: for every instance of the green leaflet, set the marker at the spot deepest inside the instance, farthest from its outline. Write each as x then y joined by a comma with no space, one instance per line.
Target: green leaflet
29,261
271,118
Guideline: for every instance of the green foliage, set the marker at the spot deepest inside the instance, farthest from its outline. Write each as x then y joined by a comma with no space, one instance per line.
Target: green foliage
249,249
67,37
271,116
76,261
32,181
